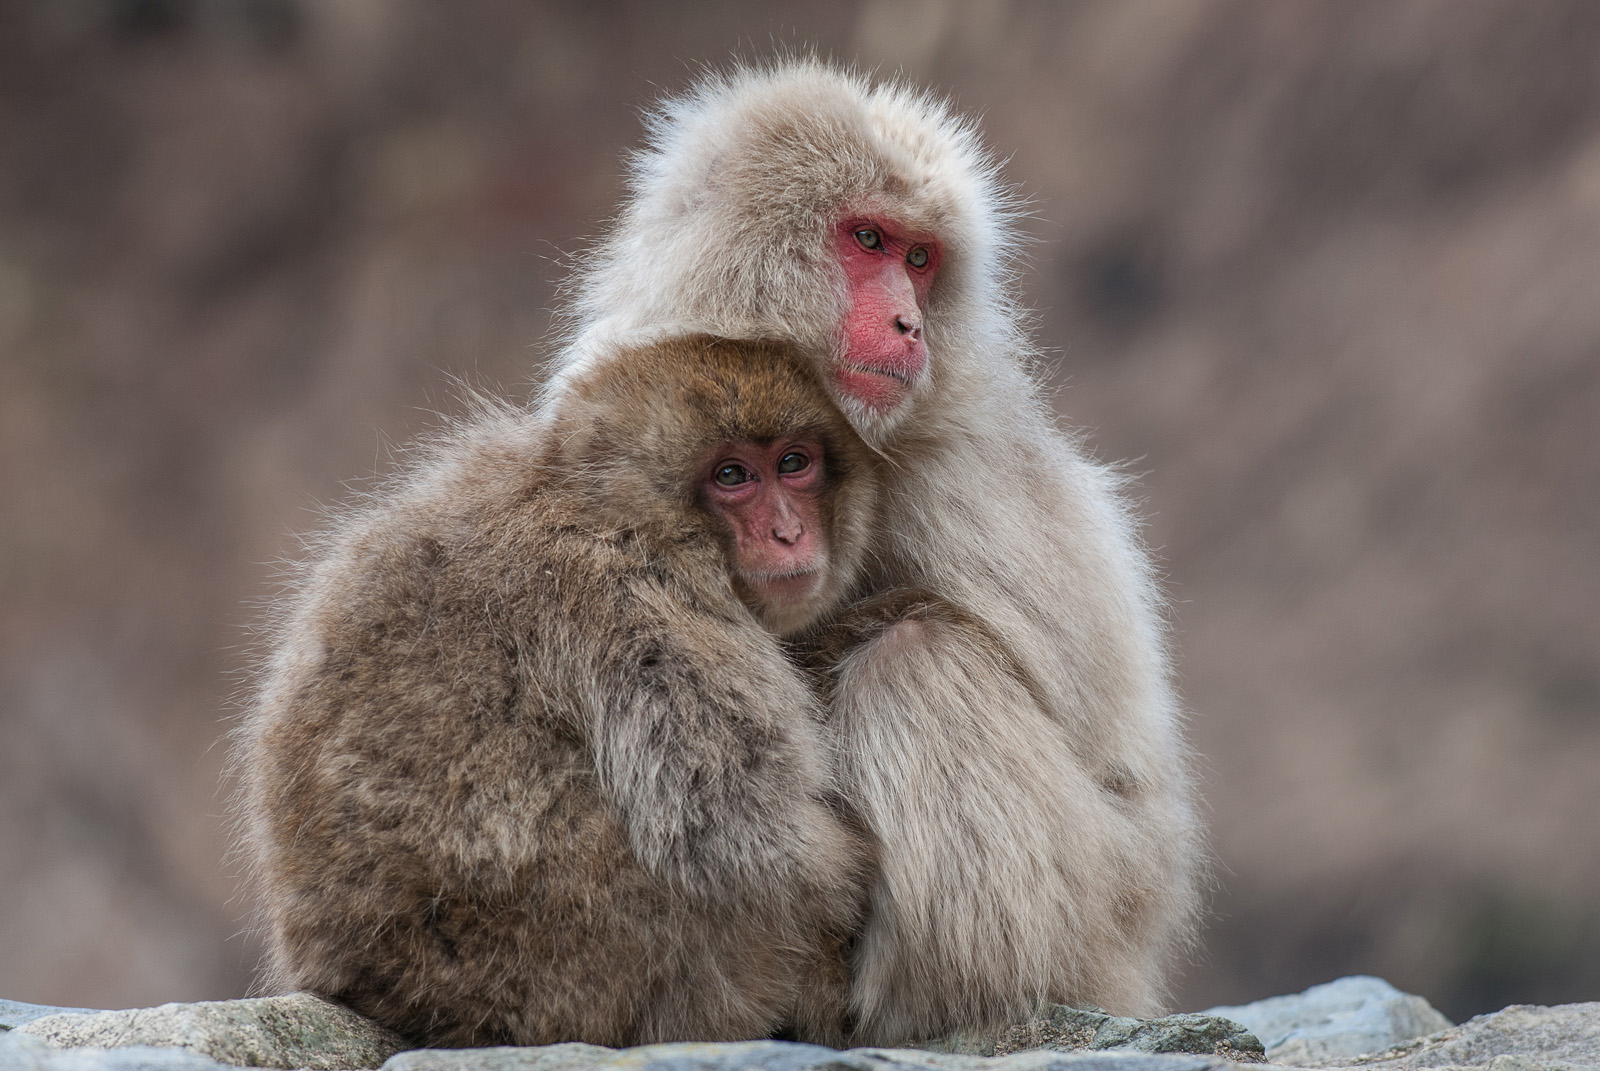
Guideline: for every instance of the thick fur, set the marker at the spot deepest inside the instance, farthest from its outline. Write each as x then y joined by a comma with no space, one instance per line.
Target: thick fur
1014,742
523,769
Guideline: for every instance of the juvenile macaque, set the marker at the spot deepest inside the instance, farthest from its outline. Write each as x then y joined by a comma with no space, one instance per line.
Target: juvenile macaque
1000,697
530,765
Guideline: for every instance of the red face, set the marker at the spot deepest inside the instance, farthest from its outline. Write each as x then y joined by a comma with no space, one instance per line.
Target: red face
771,495
889,273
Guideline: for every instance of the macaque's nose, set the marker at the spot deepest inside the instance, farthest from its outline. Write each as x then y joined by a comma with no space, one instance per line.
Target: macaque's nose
786,526
909,326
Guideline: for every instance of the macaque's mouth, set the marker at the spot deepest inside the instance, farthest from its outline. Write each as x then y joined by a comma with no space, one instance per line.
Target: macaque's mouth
903,378
789,586
881,390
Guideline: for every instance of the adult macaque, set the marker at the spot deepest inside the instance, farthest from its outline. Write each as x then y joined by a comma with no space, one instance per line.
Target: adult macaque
1001,697
529,764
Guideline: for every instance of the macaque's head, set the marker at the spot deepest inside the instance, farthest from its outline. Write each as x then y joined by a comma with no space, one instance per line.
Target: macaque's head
735,443
863,222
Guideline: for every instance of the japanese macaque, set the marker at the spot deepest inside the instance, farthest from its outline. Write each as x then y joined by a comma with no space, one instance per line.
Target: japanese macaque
529,763
1000,696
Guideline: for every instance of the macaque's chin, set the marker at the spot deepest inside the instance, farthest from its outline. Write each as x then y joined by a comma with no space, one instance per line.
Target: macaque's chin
880,392
786,603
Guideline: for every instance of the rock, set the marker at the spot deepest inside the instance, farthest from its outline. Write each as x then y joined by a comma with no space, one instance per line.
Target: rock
296,1031
1052,1060
19,1052
1056,1060
13,1013
1066,1029
780,1056
1523,1037
573,1056
1337,1021
302,1031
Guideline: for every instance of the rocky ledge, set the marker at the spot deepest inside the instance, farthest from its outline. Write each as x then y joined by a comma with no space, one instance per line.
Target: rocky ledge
1357,1023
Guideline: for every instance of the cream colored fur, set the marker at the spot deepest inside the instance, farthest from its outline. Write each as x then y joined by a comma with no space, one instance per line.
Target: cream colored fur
1016,752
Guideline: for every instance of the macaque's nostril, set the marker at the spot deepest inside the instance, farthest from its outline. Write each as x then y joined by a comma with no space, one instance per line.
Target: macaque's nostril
907,327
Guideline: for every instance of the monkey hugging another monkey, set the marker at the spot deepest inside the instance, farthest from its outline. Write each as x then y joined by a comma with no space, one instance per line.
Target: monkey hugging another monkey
528,770
811,685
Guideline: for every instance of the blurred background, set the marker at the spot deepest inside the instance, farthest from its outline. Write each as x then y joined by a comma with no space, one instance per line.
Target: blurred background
1327,275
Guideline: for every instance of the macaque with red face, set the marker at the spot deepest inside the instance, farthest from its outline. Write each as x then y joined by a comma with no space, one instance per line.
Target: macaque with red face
529,764
999,690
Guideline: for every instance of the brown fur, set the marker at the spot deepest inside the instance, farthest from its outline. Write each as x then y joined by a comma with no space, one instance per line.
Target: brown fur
1002,703
524,769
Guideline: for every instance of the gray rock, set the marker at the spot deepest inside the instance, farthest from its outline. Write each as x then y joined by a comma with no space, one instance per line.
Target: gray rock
1523,1037
19,1052
1055,1060
295,1031
572,1056
1066,1029
1337,1021
779,1056
13,1013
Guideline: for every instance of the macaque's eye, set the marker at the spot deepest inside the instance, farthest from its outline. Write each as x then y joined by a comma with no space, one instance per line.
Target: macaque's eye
731,475
869,238
917,258
793,462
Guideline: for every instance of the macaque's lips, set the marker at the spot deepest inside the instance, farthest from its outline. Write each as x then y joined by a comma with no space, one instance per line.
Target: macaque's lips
785,587
879,389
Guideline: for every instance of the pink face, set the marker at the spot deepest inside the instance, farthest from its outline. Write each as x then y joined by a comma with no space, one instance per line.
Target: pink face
771,495
889,272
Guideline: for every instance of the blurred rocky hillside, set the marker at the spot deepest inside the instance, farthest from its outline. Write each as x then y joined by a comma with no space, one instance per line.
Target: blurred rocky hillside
1327,274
